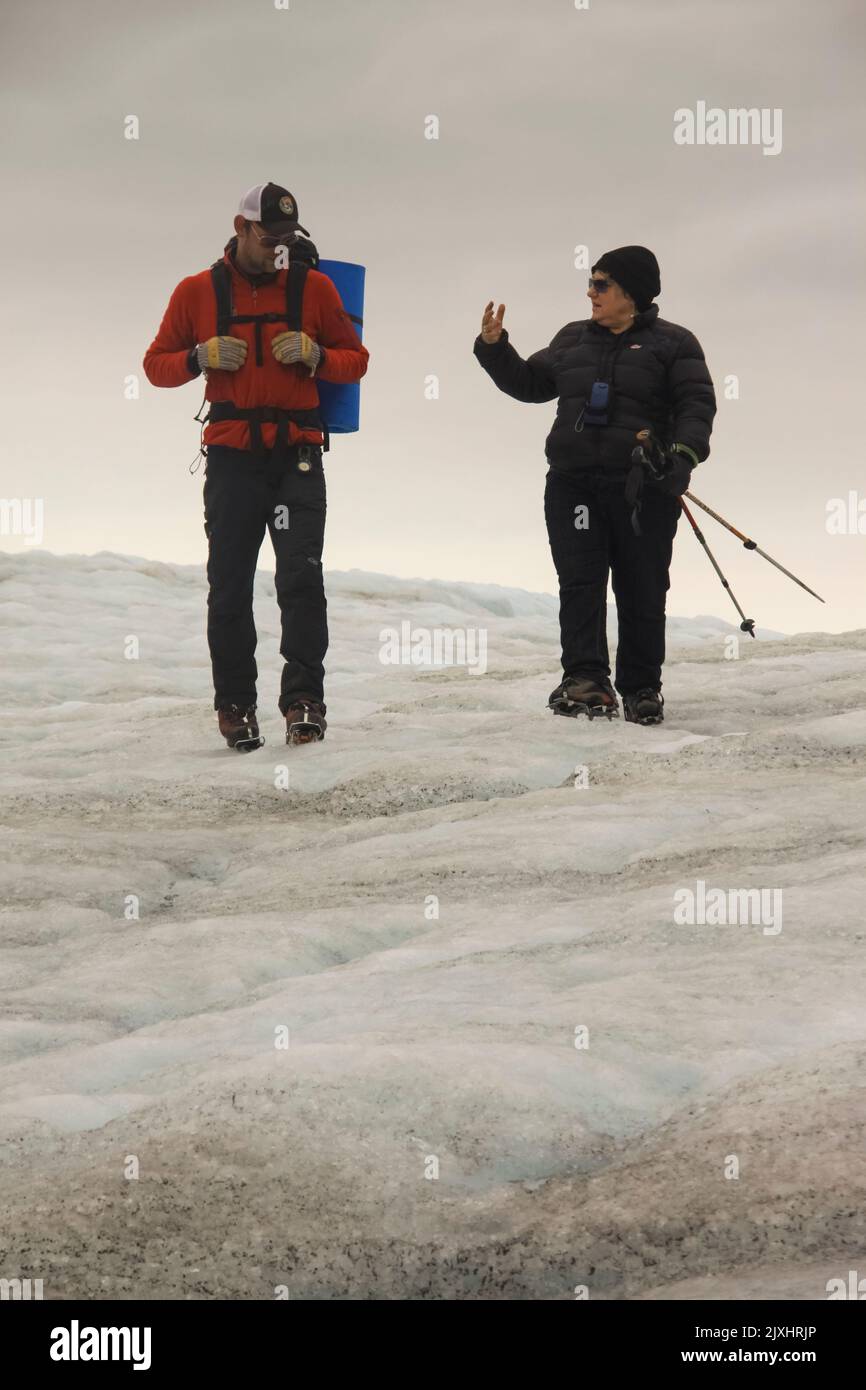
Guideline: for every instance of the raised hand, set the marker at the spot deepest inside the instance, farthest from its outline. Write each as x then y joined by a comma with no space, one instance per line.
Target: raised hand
491,324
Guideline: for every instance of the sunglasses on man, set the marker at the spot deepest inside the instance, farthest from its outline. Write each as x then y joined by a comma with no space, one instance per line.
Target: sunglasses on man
266,240
599,285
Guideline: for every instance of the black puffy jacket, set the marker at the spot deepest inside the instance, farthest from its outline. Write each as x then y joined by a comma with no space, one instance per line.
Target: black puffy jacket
658,380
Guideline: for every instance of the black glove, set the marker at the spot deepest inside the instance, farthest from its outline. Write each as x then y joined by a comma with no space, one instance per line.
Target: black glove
678,477
671,467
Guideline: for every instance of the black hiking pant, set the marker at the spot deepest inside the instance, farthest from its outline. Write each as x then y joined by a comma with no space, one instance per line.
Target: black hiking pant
244,495
591,536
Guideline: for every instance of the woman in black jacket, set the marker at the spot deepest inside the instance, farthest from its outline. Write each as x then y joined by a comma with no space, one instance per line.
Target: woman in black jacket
620,372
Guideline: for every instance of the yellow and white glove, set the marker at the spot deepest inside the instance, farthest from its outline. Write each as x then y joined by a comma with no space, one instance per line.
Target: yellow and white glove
296,347
221,354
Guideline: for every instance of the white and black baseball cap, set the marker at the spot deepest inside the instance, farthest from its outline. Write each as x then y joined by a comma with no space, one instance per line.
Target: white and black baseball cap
273,206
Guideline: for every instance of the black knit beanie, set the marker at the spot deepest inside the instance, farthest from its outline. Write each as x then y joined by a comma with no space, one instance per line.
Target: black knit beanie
636,270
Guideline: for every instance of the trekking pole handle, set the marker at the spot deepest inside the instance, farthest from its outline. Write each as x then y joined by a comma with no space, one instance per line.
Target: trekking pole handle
645,455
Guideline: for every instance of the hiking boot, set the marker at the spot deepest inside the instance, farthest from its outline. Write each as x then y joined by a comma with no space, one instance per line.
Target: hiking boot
589,695
305,721
239,727
645,706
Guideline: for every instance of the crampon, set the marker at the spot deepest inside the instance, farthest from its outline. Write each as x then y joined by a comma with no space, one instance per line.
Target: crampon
644,706
239,727
581,695
305,722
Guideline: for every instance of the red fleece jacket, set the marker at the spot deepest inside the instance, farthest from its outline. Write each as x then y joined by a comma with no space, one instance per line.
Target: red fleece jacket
191,319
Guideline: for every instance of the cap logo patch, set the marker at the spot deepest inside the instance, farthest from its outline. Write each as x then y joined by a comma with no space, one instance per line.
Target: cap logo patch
287,206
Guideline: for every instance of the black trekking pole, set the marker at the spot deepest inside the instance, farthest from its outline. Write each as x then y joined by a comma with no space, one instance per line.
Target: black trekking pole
750,544
748,624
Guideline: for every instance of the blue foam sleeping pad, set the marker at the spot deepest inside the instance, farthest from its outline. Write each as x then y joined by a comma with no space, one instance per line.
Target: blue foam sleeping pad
340,406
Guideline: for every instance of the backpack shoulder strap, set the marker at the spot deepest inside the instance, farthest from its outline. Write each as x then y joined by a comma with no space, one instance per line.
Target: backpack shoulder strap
221,281
295,282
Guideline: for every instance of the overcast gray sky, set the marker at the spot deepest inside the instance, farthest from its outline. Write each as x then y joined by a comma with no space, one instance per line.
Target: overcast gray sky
556,130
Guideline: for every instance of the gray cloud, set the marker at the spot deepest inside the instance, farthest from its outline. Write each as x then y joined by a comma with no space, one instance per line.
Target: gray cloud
556,129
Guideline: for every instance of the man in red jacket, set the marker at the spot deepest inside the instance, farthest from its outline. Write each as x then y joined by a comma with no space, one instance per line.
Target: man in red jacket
263,442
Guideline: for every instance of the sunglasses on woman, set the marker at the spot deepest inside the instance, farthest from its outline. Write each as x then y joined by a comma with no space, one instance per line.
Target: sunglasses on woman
600,285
